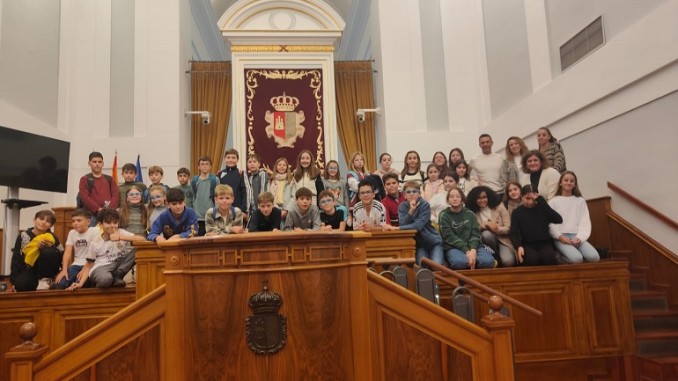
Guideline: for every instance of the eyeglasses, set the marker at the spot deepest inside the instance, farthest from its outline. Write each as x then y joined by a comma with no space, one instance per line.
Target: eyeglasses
366,193
157,197
412,191
326,201
134,194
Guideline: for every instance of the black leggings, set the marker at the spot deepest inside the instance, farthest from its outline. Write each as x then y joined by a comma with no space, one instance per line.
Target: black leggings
539,253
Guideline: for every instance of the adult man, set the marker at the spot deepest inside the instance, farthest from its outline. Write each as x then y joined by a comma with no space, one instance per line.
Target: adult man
487,166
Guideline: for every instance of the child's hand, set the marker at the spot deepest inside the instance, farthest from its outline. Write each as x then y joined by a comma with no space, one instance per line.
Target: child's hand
326,228
61,275
114,236
237,229
44,243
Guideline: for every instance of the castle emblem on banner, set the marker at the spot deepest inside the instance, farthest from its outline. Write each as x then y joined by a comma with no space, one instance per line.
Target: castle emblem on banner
284,125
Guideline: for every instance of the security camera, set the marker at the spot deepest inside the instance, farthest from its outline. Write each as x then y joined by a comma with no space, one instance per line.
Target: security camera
361,116
360,113
205,116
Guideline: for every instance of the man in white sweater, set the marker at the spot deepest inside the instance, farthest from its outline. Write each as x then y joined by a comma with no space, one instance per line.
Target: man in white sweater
488,165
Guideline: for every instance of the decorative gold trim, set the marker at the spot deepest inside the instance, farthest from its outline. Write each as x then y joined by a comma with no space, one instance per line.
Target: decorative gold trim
315,82
281,48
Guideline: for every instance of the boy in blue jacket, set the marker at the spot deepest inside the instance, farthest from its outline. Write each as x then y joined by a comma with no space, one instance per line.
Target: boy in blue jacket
175,222
415,213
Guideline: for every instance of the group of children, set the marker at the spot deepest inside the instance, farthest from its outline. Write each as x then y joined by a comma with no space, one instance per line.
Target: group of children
459,221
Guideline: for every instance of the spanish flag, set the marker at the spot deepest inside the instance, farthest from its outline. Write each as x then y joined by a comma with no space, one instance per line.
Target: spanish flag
114,175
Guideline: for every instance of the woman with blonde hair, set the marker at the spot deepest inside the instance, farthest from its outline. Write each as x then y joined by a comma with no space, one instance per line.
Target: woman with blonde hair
515,149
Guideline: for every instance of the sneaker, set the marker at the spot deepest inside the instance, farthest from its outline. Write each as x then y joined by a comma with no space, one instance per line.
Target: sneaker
117,282
118,274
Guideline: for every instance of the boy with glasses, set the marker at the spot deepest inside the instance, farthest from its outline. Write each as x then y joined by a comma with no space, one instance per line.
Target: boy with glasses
331,218
368,214
415,213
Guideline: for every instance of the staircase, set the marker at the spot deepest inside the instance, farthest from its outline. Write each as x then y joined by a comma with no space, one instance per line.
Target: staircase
656,327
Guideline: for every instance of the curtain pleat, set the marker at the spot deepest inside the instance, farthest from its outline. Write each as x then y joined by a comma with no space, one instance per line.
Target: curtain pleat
355,89
210,91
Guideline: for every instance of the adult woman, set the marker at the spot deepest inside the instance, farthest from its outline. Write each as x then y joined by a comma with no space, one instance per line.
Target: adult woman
494,222
537,173
552,150
515,149
461,235
570,236
530,230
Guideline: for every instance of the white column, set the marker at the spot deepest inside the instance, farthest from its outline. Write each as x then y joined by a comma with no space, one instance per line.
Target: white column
538,43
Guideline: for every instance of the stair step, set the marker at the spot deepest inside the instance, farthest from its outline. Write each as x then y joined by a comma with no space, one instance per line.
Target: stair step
637,284
657,334
651,313
654,323
648,300
657,347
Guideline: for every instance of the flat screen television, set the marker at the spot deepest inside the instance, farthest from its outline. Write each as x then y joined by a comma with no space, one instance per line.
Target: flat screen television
33,161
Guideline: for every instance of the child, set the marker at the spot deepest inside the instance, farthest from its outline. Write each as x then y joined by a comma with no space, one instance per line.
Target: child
176,222
570,236
267,217
307,175
494,222
530,229
257,181
461,235
354,177
331,218
96,191
456,155
111,254
511,197
37,254
133,212
466,182
77,250
234,178
438,202
394,197
415,213
282,185
412,168
129,173
224,218
155,174
433,184
203,186
385,161
440,162
183,177
333,182
368,214
304,214
157,203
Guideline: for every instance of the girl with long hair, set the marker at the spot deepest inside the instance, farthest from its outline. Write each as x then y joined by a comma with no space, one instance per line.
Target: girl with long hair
307,175
494,222
133,212
552,150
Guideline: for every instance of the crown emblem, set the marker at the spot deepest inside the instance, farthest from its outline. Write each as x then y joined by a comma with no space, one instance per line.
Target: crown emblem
265,302
284,103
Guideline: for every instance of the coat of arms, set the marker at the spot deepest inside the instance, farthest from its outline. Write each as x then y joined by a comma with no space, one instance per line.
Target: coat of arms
284,125
266,330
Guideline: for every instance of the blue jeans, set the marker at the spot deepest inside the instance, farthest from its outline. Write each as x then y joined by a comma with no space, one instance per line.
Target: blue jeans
72,272
573,254
435,254
459,261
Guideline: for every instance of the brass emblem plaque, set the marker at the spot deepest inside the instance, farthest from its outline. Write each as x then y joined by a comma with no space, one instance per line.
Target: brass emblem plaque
266,330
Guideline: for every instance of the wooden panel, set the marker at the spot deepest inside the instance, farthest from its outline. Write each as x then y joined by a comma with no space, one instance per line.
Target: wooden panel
318,315
63,222
592,369
600,233
645,254
586,309
391,244
137,360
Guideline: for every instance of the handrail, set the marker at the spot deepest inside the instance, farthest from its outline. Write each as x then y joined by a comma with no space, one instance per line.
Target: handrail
654,212
473,292
481,286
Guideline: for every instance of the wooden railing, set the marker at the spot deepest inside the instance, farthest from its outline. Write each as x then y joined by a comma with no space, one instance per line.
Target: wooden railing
652,211
134,336
420,340
470,282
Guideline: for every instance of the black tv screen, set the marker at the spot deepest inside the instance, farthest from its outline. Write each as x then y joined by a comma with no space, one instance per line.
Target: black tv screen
33,161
